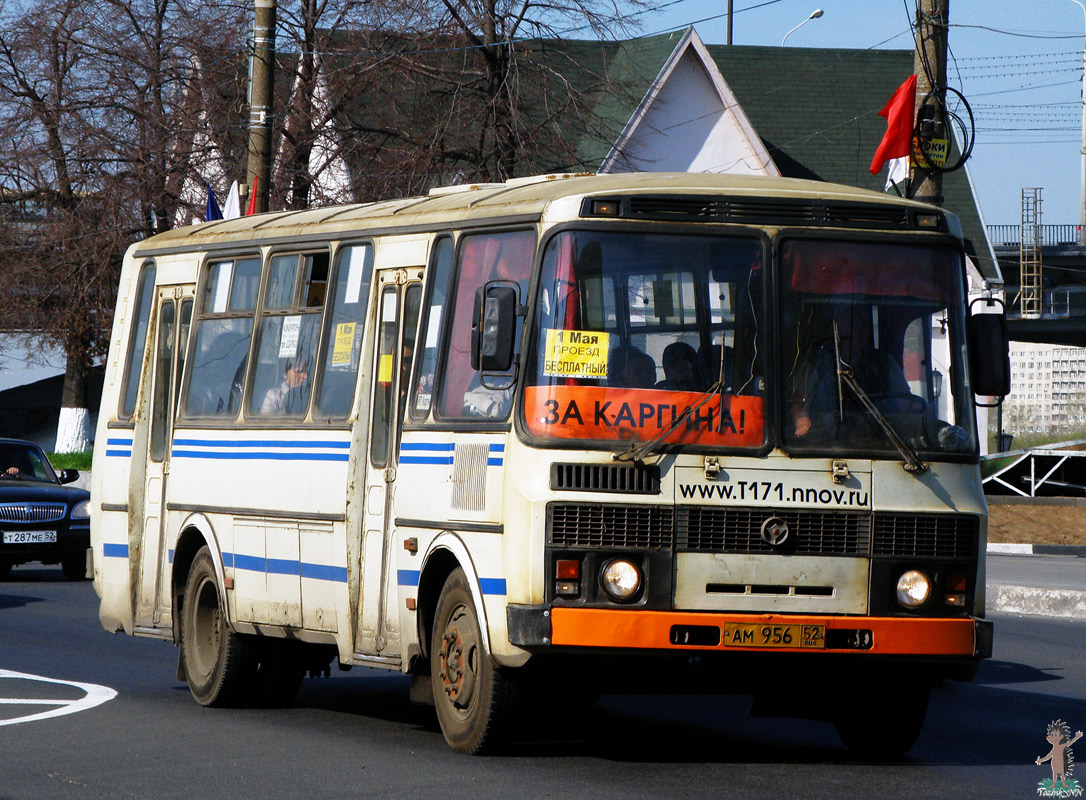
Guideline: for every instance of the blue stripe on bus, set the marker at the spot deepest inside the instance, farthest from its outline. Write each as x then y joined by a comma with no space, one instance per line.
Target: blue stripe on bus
115,442
261,456
446,460
271,566
336,443
410,579
115,550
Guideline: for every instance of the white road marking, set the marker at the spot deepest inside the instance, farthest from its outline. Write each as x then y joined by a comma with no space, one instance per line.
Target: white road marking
94,695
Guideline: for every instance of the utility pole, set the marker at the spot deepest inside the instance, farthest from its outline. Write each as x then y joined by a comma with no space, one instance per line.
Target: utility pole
261,80
932,25
729,35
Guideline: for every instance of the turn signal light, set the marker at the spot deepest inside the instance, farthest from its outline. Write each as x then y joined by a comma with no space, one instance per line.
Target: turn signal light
956,582
567,569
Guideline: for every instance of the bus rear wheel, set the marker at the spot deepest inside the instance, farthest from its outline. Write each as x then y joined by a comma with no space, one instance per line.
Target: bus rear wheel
219,664
474,699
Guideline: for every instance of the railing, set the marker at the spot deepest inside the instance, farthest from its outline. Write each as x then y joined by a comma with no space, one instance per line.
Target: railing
1051,235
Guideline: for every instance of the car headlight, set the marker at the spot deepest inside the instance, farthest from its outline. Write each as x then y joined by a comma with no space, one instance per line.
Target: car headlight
81,510
913,588
621,579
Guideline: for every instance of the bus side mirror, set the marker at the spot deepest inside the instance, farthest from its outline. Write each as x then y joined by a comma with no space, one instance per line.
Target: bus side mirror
989,356
493,328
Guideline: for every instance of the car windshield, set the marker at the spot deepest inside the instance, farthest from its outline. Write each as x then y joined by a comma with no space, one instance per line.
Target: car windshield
880,320
649,339
25,462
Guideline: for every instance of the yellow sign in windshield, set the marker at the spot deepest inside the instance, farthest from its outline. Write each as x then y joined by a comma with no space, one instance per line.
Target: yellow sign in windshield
575,354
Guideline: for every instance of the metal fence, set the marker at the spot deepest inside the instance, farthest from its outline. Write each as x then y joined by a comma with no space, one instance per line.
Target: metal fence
1050,235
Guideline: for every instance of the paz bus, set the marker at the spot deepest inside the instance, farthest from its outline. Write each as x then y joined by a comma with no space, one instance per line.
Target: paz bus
555,437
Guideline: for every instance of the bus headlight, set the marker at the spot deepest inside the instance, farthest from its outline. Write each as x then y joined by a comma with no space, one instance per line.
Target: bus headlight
621,579
913,588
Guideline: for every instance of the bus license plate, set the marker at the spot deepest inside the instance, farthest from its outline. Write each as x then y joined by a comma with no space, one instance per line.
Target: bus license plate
746,634
29,537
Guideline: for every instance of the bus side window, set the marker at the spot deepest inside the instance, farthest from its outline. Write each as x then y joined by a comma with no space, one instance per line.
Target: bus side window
505,256
287,333
441,259
342,345
224,328
139,340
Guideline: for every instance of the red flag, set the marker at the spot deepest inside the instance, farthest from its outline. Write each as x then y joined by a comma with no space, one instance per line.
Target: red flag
898,139
252,198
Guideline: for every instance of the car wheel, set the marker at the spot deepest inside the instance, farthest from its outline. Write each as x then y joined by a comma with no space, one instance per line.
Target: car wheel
220,665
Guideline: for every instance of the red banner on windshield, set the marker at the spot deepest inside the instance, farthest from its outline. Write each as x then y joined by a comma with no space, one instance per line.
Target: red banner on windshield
596,412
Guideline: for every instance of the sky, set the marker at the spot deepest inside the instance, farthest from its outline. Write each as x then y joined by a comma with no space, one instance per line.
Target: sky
1017,62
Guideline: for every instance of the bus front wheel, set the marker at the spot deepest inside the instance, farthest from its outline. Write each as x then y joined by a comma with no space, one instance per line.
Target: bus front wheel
219,664
884,719
473,697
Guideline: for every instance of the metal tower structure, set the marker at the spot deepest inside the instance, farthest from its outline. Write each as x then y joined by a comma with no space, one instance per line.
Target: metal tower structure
1029,254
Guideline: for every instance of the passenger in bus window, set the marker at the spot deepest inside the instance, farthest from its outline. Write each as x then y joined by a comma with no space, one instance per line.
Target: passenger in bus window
631,368
684,371
291,396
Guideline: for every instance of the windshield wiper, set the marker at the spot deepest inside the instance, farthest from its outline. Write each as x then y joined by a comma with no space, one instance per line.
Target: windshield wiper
913,462
638,452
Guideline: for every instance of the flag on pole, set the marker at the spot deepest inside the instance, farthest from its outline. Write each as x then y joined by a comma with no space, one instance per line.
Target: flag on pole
212,211
232,209
897,142
252,199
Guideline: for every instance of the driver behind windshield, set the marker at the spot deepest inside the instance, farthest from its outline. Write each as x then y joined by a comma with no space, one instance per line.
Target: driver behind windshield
816,391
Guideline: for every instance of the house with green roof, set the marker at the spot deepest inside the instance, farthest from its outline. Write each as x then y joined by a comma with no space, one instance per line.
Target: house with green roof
667,102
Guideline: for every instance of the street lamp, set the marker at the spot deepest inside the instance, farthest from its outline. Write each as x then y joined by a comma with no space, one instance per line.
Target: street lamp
1082,183
818,13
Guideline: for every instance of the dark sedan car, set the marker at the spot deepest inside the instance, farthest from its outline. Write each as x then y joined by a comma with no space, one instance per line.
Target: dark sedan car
41,520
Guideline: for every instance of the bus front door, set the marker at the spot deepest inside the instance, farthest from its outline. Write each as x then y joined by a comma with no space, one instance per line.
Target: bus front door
171,338
399,295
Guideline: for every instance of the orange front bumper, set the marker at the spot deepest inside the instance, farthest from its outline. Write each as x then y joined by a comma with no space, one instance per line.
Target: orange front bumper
593,627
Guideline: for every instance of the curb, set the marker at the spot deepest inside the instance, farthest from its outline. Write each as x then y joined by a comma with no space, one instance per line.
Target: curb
1037,602
1005,549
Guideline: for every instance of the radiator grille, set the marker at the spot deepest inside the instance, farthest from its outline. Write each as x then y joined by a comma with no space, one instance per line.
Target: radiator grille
739,530
934,535
617,478
32,512
598,525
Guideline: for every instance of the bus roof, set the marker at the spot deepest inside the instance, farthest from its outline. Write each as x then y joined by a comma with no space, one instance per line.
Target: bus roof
520,199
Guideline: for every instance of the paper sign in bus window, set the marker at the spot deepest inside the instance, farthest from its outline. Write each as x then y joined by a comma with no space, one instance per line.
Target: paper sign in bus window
575,354
288,342
344,344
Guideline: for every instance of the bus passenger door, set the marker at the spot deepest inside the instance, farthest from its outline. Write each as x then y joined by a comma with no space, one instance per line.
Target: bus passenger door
171,339
399,295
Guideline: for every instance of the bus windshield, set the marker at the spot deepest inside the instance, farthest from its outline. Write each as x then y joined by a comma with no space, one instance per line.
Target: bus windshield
881,320
640,336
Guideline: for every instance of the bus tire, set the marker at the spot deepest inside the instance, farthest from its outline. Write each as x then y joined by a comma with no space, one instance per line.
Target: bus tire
220,666
74,567
883,720
474,699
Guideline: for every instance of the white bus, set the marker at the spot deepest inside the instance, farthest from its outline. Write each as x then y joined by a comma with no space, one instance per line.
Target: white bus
555,437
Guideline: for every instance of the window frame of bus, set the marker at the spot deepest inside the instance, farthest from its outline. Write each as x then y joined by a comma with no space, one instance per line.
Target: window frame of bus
137,340
502,421
301,293
440,269
764,337
203,297
326,345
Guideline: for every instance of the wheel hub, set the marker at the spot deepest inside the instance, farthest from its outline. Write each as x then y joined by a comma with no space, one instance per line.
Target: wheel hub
458,661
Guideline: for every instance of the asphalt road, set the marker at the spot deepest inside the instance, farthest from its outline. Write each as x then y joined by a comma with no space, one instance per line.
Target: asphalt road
354,735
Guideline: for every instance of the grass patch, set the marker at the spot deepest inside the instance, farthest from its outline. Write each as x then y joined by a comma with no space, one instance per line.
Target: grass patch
79,461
